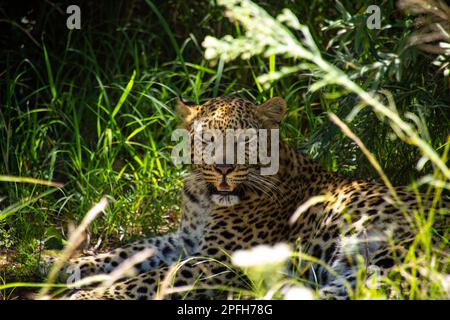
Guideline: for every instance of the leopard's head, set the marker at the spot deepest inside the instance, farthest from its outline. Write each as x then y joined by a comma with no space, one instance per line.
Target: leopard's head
219,130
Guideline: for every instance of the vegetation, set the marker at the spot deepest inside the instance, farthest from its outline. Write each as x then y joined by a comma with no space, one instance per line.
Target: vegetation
92,111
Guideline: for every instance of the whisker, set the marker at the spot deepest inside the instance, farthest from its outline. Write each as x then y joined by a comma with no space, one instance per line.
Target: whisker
266,184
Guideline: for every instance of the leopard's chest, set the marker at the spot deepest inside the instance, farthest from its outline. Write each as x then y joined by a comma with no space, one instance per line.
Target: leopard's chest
245,226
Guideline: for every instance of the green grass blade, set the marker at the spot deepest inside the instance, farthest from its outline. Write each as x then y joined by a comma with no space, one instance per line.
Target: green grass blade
124,95
5,178
49,72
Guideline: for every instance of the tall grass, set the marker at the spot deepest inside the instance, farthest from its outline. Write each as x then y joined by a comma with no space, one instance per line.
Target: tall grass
94,110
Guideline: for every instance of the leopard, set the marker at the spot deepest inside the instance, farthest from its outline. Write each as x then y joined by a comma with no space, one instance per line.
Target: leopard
227,207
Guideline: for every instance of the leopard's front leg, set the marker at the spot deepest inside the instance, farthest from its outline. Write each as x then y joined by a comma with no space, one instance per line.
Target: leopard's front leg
167,249
195,278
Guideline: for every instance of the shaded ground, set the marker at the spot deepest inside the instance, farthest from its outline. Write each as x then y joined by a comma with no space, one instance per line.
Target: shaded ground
13,271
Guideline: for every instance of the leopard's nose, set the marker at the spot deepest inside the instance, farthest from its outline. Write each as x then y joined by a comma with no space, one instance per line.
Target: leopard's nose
224,169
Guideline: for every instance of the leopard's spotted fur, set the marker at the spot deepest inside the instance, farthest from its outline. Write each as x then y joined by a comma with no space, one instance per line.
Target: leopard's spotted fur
358,217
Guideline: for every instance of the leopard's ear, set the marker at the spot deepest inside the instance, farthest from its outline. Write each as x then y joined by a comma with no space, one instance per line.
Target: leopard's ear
187,111
272,112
